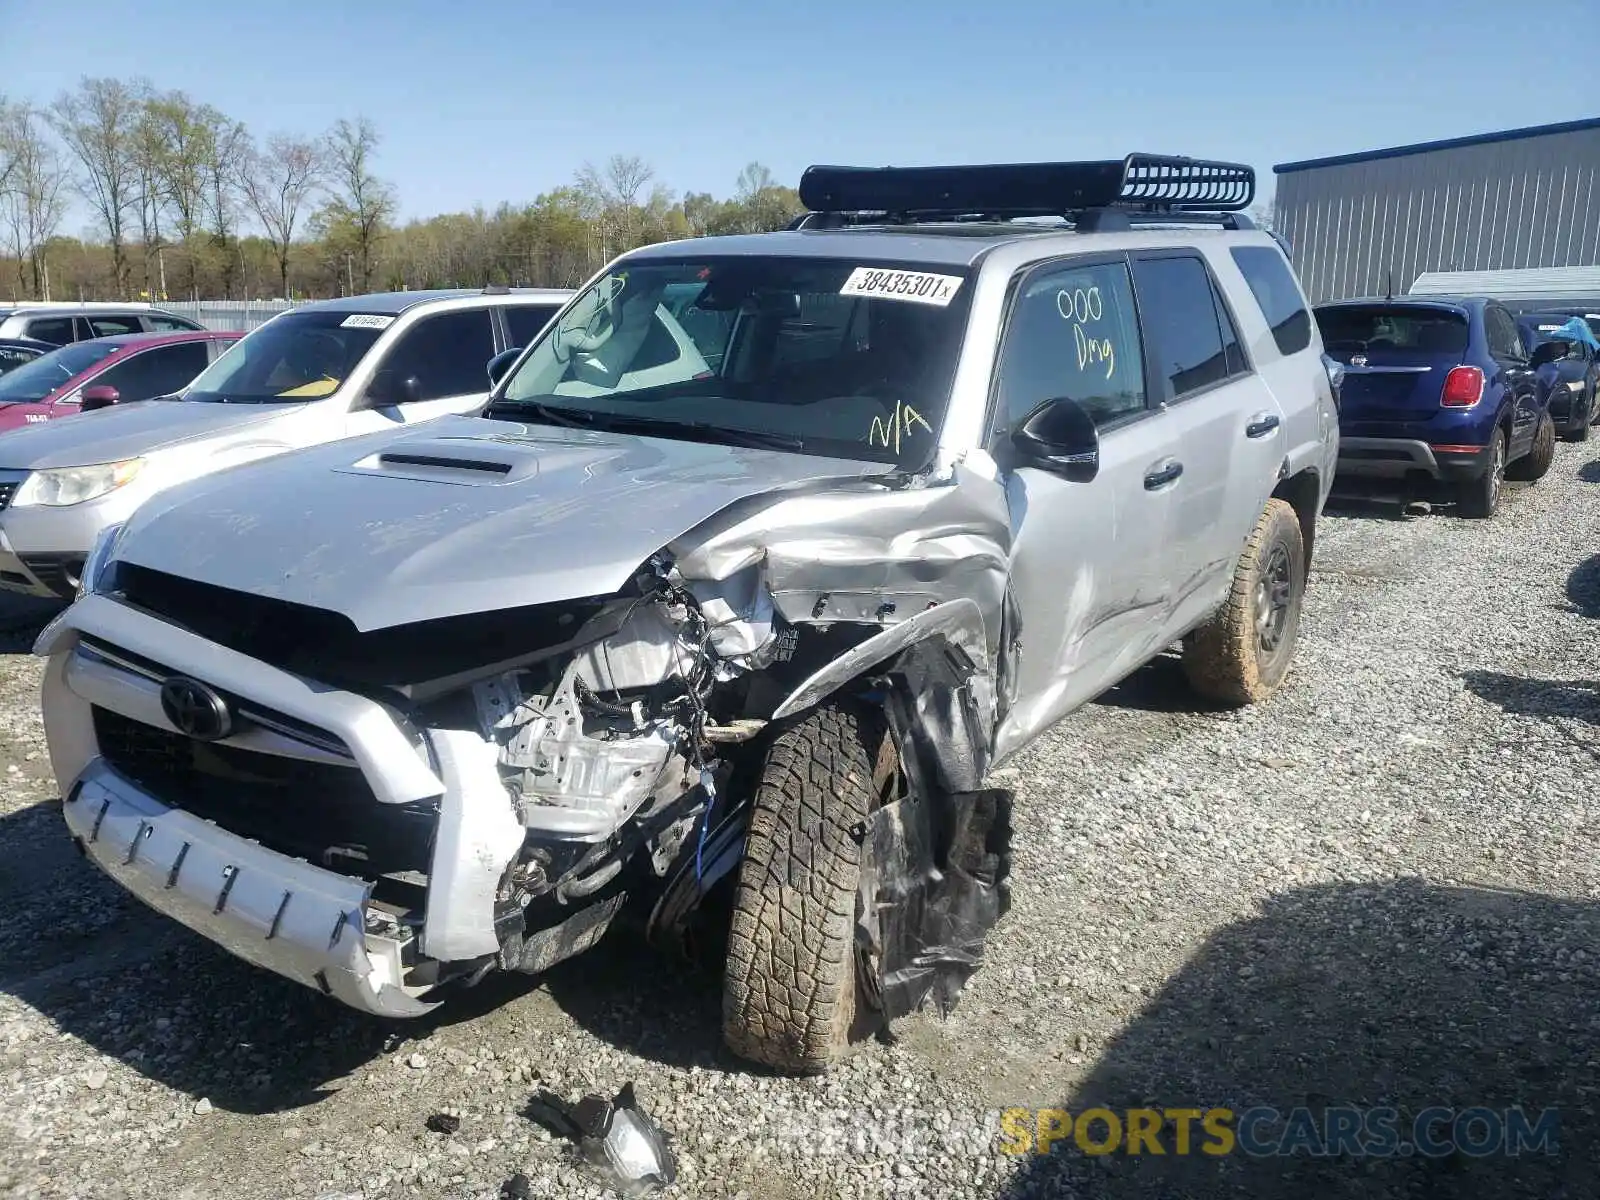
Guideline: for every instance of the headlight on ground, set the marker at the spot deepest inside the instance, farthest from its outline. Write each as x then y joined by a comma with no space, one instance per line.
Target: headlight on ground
74,485
101,556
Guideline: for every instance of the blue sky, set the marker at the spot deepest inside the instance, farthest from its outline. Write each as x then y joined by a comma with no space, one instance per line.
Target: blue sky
481,101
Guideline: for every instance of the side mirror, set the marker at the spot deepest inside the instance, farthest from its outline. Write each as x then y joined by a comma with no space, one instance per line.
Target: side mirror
99,396
1059,436
1548,352
501,363
389,388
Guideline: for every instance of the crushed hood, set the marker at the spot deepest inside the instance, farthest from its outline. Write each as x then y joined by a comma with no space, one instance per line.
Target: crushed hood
126,431
464,515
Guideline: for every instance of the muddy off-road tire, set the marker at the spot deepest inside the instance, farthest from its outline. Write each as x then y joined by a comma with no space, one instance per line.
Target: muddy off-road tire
1479,498
1243,652
1532,466
790,991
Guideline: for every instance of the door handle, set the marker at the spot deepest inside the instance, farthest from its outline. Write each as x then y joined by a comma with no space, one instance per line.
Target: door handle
1261,424
1159,477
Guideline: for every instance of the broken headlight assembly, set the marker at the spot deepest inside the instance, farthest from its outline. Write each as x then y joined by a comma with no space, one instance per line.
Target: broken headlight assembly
59,487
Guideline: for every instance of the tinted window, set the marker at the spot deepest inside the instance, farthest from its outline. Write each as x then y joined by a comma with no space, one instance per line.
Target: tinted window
1073,333
1377,330
1232,351
157,372
51,329
170,324
1504,340
113,326
12,357
1272,284
46,373
294,357
524,321
445,354
1179,316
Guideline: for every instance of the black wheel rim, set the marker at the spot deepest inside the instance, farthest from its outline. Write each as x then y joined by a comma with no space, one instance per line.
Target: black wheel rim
1274,596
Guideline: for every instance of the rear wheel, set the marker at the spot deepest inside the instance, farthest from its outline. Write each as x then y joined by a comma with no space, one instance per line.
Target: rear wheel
1533,465
790,993
1242,654
1481,496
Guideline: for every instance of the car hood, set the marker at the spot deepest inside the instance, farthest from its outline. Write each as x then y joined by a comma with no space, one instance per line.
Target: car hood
467,515
126,431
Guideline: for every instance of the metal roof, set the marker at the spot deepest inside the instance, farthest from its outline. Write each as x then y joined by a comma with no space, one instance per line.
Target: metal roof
1536,283
1478,139
394,303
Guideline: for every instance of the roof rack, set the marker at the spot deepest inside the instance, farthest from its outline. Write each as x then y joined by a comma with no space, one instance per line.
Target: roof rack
1103,194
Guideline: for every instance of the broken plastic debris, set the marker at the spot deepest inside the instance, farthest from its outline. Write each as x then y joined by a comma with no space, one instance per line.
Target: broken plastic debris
615,1136
444,1123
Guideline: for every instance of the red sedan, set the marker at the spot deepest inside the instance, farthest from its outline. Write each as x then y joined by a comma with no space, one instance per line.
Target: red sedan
108,370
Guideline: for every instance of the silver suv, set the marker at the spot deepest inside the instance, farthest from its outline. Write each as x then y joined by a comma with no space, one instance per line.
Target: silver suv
760,558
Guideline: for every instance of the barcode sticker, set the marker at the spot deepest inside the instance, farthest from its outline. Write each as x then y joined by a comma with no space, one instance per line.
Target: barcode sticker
919,287
366,321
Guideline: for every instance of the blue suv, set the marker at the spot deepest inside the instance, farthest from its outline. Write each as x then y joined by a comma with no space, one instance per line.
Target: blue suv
1439,391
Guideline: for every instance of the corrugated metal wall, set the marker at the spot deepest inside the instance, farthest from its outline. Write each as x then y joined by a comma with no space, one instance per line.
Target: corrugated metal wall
1526,202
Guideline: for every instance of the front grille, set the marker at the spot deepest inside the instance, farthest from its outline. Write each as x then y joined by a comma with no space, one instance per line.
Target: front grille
303,809
8,489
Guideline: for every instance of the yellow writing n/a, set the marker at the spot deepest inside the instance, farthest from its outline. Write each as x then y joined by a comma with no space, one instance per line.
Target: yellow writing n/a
1102,1131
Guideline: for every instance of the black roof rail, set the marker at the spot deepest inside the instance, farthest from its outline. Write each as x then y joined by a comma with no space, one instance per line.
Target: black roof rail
1144,186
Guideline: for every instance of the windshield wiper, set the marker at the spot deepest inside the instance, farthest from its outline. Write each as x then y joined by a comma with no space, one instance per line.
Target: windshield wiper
570,418
756,439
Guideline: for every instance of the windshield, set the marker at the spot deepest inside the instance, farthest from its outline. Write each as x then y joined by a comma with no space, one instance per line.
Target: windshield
12,357
296,357
1392,330
36,380
1543,328
811,355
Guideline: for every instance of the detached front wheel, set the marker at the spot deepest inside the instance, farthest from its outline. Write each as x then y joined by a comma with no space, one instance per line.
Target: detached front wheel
790,994
1241,655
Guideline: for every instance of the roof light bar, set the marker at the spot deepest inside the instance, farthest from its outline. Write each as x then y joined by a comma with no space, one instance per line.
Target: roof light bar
1147,182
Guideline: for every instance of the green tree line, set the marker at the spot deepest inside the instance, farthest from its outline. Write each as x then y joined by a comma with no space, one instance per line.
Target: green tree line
187,203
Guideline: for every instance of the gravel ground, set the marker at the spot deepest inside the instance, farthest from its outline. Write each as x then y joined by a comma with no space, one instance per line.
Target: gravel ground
1375,890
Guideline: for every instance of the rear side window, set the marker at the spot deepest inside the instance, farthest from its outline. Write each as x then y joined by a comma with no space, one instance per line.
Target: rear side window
157,372
1374,329
1504,340
163,324
447,354
1073,333
113,326
1178,309
525,321
1272,284
51,329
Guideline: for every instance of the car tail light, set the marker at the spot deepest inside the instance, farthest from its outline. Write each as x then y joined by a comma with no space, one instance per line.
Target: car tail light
1463,388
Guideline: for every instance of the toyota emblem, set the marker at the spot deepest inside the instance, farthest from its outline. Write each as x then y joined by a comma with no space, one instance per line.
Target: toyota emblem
195,709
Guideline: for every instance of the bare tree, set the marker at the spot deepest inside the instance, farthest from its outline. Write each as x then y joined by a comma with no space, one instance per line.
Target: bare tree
31,200
99,124
153,200
278,183
229,144
186,133
359,203
8,154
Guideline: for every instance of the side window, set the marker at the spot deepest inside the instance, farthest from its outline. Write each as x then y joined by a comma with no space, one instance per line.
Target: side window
1502,334
157,372
50,329
524,322
113,326
1073,332
446,354
1179,313
1272,284
161,324
1232,351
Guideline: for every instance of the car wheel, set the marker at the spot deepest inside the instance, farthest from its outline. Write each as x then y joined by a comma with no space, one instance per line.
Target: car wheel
1243,652
791,991
1480,497
1533,465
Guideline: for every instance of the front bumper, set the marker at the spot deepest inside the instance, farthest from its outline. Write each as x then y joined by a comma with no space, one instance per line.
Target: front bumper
42,548
280,913
1403,458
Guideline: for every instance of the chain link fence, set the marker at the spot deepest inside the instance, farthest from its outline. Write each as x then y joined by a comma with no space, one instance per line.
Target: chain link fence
242,315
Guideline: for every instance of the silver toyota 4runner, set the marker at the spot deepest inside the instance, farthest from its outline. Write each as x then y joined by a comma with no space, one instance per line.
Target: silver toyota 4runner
761,557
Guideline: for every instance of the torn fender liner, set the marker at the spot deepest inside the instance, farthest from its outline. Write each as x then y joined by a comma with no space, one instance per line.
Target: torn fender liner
932,885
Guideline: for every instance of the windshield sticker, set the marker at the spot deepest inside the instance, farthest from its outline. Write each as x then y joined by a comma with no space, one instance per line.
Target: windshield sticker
919,287
1082,308
366,321
887,433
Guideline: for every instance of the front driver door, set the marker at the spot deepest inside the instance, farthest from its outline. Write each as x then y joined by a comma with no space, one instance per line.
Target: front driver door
448,356
1086,580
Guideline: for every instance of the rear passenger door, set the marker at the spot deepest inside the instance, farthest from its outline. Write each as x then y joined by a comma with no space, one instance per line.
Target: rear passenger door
1511,359
446,355
1087,575
1224,425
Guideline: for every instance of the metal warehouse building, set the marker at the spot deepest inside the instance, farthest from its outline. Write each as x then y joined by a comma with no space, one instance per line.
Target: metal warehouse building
1358,224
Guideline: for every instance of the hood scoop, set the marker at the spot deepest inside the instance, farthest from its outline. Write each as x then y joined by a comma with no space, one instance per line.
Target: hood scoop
450,460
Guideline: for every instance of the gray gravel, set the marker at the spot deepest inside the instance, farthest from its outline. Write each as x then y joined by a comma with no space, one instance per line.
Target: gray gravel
1377,889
